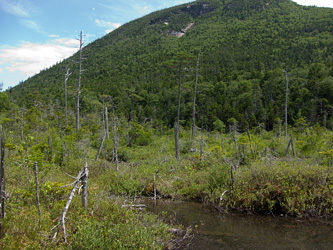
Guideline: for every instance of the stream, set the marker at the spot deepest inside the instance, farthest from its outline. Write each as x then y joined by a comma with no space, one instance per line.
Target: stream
214,230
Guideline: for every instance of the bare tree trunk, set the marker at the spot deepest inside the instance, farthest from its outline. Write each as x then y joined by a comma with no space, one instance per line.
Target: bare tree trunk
78,88
290,143
2,178
194,97
286,110
115,141
21,126
100,147
178,114
106,124
63,151
64,212
84,181
66,78
37,196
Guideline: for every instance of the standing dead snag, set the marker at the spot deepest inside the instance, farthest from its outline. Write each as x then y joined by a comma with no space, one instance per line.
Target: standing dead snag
194,97
66,78
106,123
286,111
182,60
2,178
37,196
78,88
115,149
84,180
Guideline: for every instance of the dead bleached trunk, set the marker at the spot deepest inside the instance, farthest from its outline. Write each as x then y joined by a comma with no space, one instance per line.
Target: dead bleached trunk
194,98
178,114
2,178
84,180
36,180
21,126
100,147
66,78
83,173
286,108
106,124
115,145
78,87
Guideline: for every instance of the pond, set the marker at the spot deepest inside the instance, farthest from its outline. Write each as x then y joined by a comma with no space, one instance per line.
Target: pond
237,231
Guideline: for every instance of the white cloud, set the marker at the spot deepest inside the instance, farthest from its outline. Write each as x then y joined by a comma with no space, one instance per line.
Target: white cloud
102,23
30,58
105,24
318,3
15,7
32,25
53,36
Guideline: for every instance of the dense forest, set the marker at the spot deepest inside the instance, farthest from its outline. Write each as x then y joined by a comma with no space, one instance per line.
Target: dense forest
226,102
246,46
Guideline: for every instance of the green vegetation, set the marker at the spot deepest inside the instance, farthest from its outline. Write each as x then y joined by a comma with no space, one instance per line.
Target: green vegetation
238,159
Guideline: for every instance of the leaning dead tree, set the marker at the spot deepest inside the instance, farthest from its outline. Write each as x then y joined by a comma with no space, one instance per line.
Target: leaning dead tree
2,178
100,147
83,178
78,87
66,78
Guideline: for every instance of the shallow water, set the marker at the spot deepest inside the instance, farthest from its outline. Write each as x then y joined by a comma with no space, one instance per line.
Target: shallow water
237,231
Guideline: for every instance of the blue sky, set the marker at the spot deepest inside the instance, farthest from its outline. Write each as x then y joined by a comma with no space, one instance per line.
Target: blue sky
36,34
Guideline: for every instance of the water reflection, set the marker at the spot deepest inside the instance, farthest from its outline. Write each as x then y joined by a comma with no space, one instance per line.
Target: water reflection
235,231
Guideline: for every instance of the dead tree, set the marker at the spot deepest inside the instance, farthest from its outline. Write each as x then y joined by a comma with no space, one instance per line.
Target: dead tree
194,97
84,180
178,113
36,180
2,178
100,147
78,87
182,60
106,123
82,176
115,145
21,126
292,146
286,108
66,78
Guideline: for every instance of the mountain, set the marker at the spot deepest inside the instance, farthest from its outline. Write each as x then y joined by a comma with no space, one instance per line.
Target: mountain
249,49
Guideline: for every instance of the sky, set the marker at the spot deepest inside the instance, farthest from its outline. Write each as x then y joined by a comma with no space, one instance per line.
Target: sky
36,34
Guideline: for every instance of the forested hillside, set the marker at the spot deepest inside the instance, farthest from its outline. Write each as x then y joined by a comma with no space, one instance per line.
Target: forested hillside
254,77
246,49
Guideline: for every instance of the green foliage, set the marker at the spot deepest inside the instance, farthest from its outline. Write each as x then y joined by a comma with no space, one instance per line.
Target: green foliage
120,228
283,187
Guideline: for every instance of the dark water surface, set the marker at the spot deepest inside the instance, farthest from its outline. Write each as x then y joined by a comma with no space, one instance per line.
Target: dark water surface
237,231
